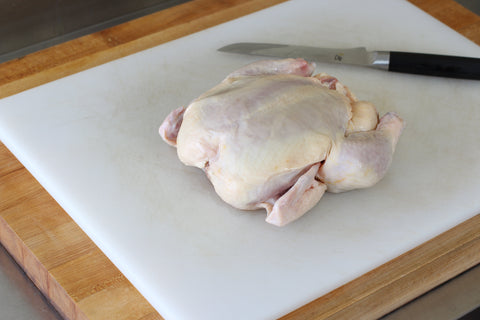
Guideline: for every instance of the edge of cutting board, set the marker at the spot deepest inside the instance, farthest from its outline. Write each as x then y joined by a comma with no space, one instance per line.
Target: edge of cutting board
402,279
79,279
133,36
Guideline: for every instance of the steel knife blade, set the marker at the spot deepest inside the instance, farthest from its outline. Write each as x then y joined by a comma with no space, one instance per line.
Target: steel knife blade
405,62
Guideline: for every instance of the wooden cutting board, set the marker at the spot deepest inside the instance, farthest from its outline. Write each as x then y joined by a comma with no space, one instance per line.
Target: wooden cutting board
59,257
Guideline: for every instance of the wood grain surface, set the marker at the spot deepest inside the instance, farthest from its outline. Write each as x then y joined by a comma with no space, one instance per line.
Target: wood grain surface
78,278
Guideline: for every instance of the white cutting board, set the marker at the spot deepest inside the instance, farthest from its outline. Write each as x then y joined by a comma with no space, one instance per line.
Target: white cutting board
91,140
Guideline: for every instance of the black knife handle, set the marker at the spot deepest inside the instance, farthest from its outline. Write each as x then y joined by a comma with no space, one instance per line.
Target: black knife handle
435,65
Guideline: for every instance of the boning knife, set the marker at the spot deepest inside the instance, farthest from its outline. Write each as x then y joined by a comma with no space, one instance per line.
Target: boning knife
405,62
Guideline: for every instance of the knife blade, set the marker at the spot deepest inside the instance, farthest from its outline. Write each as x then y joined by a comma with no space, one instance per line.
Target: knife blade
396,61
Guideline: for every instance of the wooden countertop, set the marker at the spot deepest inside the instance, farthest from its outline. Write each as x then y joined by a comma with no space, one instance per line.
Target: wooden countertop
78,278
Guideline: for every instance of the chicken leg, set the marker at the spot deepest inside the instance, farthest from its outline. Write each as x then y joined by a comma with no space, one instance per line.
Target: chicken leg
362,158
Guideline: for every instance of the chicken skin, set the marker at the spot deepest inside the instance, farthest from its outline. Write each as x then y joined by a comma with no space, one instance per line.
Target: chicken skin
273,136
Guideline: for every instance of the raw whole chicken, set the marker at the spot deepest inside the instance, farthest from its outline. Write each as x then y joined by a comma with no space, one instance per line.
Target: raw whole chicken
273,136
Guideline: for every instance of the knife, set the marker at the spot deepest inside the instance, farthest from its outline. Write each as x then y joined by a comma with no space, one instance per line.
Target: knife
405,62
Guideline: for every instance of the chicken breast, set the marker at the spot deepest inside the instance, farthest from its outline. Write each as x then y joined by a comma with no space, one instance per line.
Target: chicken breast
273,136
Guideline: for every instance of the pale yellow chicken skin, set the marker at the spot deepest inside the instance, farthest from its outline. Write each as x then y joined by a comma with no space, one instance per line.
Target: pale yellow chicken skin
273,136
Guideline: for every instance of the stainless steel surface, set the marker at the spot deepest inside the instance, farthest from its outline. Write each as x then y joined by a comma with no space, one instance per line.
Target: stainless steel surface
457,298
19,298
27,26
355,56
472,5
380,59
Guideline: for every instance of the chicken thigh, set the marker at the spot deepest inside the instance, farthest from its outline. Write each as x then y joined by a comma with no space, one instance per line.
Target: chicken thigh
273,136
